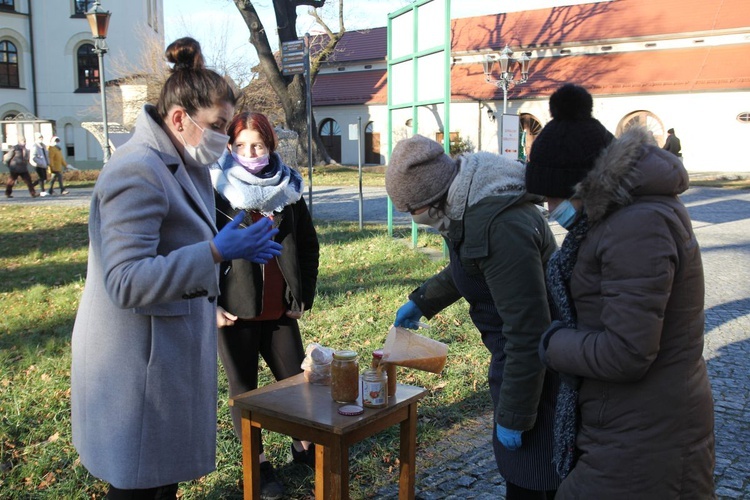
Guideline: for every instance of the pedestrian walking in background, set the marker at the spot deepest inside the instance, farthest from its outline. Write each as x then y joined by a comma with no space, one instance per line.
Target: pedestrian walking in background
17,159
39,159
57,164
499,245
630,271
144,371
259,305
672,144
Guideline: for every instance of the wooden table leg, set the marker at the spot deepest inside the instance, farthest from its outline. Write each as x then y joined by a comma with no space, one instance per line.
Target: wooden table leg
408,455
322,472
332,472
250,457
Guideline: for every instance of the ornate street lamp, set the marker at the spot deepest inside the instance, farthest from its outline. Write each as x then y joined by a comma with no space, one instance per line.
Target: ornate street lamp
506,62
99,22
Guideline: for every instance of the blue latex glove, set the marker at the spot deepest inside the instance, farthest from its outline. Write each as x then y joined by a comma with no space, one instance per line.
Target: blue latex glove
255,243
408,316
509,438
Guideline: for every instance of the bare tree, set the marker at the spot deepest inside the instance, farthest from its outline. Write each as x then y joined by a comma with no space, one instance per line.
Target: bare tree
291,91
142,81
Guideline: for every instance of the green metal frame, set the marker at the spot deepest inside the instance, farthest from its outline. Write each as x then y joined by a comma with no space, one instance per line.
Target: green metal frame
415,54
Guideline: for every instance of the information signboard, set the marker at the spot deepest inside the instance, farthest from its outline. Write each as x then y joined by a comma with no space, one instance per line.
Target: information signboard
293,57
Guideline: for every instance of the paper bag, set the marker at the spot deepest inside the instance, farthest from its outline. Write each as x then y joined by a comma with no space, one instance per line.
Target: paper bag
403,347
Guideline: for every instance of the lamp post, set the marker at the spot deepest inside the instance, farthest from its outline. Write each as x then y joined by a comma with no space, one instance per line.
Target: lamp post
506,80
99,22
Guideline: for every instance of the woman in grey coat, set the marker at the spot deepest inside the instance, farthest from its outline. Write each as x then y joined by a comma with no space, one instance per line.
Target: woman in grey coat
144,373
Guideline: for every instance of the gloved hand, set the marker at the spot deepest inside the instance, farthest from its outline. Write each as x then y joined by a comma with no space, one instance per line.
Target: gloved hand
408,316
509,438
255,243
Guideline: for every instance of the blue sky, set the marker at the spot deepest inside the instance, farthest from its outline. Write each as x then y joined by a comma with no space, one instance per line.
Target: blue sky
218,25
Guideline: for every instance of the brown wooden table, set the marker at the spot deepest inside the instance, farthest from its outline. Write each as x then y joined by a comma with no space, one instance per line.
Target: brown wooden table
305,411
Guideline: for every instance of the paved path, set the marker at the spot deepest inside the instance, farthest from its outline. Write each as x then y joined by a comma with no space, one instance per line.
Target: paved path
463,467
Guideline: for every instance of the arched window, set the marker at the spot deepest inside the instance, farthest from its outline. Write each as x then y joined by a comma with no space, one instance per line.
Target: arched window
372,144
330,127
530,128
8,65
330,135
88,69
644,119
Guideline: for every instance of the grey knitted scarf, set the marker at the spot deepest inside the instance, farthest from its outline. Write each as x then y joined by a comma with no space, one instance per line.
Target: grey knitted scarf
559,272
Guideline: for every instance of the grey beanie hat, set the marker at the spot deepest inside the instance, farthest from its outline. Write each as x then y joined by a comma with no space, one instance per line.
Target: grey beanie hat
419,173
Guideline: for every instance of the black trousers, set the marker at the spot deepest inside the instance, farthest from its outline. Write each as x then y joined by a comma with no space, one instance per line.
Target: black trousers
56,176
41,172
278,341
168,492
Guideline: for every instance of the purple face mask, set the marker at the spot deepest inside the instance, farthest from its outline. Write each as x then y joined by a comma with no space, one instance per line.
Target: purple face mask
252,165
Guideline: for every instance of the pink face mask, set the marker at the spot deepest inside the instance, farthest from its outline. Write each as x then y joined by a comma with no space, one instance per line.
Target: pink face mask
252,165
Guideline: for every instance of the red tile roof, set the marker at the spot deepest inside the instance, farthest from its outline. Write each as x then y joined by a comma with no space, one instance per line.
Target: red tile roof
354,87
361,45
612,20
663,71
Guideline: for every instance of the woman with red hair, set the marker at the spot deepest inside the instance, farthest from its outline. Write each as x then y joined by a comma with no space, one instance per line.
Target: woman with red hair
259,305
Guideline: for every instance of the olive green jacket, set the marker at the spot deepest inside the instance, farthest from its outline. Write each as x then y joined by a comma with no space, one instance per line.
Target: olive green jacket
506,239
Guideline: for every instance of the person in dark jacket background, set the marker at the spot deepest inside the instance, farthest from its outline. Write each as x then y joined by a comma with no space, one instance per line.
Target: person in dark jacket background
672,144
17,159
631,267
259,305
499,245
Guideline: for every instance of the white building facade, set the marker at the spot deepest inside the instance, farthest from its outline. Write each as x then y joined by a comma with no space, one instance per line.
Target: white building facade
49,70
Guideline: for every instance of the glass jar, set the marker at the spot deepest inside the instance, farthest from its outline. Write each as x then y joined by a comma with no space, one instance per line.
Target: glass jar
345,377
374,388
390,370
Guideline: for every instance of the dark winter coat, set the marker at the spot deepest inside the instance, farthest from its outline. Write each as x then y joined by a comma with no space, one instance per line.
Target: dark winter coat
18,159
645,400
499,251
673,145
242,281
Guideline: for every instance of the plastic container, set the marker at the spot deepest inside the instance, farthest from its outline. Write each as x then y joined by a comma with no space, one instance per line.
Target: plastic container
345,377
374,388
390,370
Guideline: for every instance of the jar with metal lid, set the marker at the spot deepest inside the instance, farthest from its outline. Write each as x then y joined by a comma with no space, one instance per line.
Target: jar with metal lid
344,377
390,370
374,388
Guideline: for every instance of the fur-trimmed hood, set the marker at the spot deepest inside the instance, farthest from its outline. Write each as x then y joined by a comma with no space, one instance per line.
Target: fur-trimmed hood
629,167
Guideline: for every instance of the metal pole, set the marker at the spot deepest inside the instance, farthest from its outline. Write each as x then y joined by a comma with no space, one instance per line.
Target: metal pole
101,49
359,162
505,97
309,124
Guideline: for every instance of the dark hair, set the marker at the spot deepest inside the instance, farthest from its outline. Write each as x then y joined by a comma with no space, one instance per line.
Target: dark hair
670,131
191,85
253,121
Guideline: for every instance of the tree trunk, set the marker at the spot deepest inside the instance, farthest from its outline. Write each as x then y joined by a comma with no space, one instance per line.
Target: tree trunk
291,90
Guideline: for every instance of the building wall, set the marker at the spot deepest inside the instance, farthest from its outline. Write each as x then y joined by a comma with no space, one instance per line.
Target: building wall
53,39
713,140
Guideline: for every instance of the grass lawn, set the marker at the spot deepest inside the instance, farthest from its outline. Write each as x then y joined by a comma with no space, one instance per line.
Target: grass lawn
364,277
